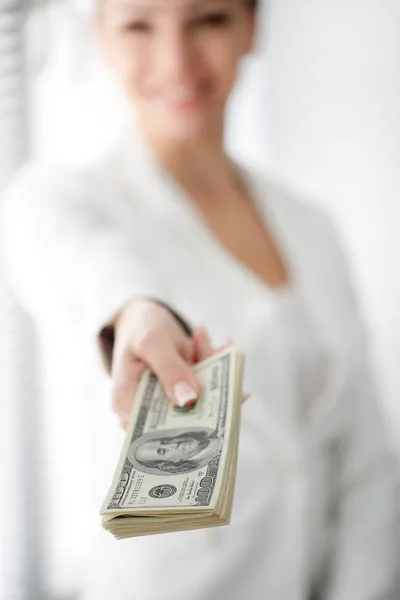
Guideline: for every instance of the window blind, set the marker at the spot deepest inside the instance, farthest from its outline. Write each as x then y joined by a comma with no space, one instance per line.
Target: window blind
21,474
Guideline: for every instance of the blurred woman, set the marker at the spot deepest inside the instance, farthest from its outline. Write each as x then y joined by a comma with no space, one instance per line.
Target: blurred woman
169,233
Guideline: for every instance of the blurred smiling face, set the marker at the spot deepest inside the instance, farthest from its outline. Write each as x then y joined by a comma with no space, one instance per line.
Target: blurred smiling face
176,60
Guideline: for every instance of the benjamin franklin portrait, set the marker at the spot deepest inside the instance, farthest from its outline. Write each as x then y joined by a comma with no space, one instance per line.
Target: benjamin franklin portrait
173,451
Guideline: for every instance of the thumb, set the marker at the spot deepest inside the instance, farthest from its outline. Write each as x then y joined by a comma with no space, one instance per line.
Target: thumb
175,375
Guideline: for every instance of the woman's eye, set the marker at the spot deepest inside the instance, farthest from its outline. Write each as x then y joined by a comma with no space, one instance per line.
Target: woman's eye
161,451
137,27
215,20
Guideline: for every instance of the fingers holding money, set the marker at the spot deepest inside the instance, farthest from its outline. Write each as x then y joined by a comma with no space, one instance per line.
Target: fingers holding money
149,336
175,375
173,371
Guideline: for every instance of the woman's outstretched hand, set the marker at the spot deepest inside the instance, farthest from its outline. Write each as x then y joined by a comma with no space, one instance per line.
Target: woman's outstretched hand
147,335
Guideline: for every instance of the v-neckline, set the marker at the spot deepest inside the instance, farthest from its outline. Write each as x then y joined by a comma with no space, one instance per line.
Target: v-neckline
179,207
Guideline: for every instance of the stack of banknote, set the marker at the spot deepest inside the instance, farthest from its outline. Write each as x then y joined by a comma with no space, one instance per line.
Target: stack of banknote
177,469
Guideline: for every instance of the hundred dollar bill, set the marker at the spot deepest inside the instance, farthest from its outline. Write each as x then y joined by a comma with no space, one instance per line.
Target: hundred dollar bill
175,466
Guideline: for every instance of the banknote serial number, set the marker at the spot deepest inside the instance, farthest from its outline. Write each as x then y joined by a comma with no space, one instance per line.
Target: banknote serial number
135,489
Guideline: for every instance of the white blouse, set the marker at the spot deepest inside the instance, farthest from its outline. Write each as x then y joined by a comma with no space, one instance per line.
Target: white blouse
307,359
79,245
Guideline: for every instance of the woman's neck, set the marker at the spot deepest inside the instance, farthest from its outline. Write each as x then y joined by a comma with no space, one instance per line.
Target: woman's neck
203,168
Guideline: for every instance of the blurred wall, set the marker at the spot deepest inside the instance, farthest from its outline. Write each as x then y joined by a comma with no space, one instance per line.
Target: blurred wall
329,77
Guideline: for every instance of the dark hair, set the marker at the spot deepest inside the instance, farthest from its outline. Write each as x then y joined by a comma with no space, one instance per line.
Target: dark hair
252,4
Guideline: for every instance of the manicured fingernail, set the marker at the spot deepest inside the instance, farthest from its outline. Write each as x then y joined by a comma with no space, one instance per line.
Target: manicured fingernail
184,393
